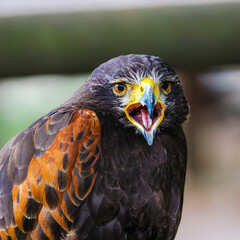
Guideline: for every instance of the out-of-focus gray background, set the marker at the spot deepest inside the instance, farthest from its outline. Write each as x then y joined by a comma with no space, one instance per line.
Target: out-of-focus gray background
48,48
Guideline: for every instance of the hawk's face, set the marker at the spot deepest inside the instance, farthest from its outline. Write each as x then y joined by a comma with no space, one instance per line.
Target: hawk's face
143,103
140,91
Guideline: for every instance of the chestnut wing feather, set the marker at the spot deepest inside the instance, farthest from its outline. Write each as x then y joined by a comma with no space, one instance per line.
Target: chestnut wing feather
46,171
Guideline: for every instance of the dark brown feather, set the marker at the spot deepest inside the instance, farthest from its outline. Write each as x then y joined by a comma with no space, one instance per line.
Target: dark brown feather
67,177
41,183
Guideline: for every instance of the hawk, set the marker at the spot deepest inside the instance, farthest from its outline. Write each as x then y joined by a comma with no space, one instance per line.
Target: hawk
109,163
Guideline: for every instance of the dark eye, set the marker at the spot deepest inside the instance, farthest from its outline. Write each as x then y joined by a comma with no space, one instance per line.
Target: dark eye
166,87
119,89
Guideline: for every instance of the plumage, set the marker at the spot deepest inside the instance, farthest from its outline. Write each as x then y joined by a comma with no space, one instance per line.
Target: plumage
109,163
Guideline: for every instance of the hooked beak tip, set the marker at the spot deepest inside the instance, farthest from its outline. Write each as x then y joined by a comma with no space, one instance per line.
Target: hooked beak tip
148,98
149,136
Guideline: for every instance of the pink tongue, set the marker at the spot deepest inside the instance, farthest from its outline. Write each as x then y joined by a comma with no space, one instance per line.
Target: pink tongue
147,121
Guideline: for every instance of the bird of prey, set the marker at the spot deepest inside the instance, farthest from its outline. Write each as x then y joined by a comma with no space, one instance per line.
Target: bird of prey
109,163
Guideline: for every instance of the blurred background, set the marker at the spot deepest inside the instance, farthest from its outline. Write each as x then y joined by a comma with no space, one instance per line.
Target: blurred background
48,48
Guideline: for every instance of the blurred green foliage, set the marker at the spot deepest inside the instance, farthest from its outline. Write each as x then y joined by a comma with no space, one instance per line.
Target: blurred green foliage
24,100
192,37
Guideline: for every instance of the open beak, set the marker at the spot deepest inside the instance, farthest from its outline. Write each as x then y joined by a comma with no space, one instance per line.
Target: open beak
146,113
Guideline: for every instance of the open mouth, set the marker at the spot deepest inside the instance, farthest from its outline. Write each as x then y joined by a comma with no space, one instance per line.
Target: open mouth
139,114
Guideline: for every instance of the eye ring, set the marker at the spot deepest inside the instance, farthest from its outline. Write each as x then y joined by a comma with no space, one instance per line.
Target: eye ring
119,89
166,87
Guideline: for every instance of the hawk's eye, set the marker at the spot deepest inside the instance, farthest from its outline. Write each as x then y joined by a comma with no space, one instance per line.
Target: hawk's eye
119,89
166,87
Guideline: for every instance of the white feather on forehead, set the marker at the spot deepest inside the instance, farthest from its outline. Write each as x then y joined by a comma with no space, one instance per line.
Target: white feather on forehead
155,74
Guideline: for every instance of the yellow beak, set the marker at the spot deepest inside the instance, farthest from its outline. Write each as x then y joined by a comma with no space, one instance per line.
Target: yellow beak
145,110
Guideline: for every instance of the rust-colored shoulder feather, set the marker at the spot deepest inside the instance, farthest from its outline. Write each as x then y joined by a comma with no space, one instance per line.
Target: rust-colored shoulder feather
46,172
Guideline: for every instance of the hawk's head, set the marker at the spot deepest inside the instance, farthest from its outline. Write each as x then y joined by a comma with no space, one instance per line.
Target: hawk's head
138,91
